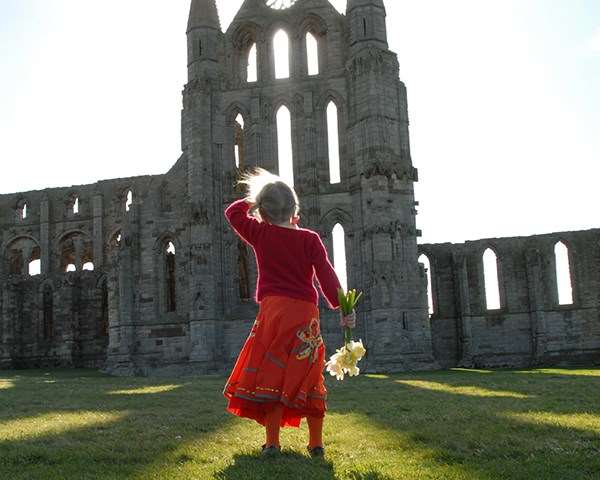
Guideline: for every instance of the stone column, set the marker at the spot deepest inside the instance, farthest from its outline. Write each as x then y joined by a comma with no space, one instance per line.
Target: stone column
535,289
297,53
27,251
6,328
463,309
98,231
45,251
67,318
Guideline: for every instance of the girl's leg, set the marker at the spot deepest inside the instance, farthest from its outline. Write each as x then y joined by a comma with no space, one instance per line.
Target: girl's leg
315,431
273,425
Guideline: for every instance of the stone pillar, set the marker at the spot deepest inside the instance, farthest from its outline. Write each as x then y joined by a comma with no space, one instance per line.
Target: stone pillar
27,251
67,318
6,328
45,251
463,309
535,289
297,52
78,246
98,231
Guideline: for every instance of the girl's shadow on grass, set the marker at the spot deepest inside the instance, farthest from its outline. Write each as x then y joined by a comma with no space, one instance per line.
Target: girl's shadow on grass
290,465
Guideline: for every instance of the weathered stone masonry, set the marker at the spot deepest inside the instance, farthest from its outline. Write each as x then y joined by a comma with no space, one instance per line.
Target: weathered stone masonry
530,328
168,293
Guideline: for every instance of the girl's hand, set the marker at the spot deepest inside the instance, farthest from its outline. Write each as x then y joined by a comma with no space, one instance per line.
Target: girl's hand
348,320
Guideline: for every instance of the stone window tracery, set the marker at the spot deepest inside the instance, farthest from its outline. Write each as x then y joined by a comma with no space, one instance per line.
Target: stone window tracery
76,250
23,256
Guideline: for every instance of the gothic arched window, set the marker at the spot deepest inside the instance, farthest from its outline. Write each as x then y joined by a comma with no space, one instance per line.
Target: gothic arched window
128,200
170,277
563,274
35,264
238,141
252,69
284,145
339,255
22,212
492,285
424,259
312,54
333,141
281,54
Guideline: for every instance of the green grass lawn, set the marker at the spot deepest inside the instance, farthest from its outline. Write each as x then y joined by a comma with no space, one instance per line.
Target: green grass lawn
79,424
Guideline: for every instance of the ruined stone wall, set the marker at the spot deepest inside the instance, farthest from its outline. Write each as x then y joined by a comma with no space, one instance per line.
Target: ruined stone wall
531,327
102,275
171,287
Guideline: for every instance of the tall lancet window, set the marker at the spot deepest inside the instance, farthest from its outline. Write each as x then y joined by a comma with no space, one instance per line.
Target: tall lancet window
284,145
281,51
252,75
425,261
128,201
339,255
563,274
334,143
171,284
492,285
239,151
312,54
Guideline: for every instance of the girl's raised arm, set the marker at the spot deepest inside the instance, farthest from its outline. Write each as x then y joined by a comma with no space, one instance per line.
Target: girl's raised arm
245,226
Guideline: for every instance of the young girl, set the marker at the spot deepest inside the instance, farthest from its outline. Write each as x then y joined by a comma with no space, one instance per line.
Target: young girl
278,376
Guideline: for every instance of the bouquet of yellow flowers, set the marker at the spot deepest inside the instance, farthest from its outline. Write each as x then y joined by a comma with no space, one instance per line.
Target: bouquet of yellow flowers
346,359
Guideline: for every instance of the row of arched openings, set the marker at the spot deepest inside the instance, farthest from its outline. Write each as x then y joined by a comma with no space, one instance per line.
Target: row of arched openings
491,273
285,149
281,54
74,205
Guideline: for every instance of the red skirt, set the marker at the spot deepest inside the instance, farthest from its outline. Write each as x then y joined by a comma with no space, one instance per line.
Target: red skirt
281,362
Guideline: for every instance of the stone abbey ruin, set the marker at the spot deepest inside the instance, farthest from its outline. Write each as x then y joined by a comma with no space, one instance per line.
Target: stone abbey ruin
143,276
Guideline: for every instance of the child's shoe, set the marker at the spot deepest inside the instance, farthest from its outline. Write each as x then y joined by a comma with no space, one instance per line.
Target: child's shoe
316,452
272,451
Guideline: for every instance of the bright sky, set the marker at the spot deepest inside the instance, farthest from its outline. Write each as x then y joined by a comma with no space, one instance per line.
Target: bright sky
503,97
